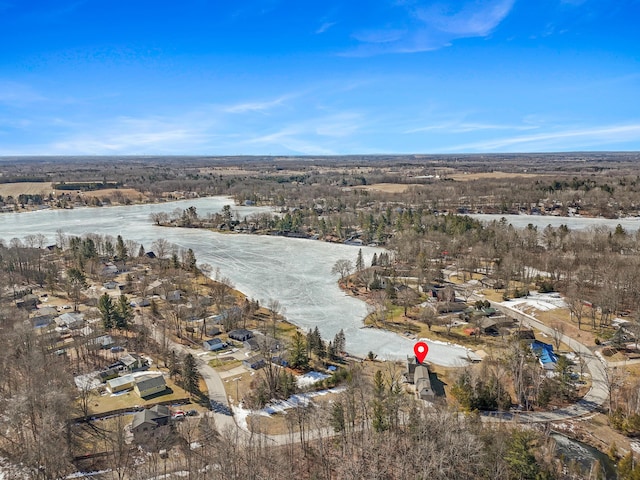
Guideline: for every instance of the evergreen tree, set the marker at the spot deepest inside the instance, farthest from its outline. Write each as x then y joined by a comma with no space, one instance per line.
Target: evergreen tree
359,261
141,251
379,418
107,311
337,417
76,281
173,364
299,357
374,260
190,374
339,342
121,249
190,261
519,456
124,313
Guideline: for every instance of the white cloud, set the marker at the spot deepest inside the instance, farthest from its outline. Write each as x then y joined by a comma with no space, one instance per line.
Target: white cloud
13,93
324,27
257,106
472,19
433,27
573,139
466,127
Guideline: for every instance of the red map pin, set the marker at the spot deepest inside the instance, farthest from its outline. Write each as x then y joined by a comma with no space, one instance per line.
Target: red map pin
421,349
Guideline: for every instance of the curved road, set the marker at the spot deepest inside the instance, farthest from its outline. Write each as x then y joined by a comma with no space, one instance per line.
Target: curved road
594,398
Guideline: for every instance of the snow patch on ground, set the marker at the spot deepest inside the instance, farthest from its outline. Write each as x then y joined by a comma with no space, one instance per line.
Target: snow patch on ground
540,301
310,378
279,406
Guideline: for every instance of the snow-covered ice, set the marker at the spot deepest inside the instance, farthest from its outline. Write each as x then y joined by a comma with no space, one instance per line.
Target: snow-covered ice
296,272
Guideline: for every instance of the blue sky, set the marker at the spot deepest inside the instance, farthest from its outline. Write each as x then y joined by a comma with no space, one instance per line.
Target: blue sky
308,77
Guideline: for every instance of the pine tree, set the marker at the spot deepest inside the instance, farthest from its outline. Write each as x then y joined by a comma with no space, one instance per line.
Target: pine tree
299,358
339,342
124,313
519,456
190,375
107,311
173,364
379,419
121,249
337,417
190,261
374,260
359,261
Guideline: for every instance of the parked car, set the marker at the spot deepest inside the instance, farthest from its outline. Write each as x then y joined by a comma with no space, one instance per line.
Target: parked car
192,413
179,415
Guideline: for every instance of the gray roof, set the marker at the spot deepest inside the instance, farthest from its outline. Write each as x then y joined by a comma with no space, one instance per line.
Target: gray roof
149,416
116,382
145,383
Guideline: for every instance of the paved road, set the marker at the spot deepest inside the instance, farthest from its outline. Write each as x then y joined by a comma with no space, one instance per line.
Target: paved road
215,386
595,397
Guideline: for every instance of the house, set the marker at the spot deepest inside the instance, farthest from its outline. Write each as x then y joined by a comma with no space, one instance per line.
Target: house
412,362
213,331
154,287
173,296
70,320
103,342
545,354
151,426
241,334
150,255
109,269
108,374
254,363
280,361
149,385
41,321
28,302
53,311
110,285
120,384
213,345
525,334
140,302
132,362
423,383
263,343
251,345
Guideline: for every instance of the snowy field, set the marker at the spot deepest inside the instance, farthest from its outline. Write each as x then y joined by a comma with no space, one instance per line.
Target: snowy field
540,301
296,272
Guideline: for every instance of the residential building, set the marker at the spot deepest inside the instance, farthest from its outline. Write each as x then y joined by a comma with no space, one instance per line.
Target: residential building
150,385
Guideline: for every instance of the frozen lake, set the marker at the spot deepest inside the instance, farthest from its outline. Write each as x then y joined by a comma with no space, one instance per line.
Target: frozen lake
631,225
296,272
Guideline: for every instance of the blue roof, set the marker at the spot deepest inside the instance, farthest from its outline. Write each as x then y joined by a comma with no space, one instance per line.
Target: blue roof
544,351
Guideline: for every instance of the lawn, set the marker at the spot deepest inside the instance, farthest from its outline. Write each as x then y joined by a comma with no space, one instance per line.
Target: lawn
106,403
